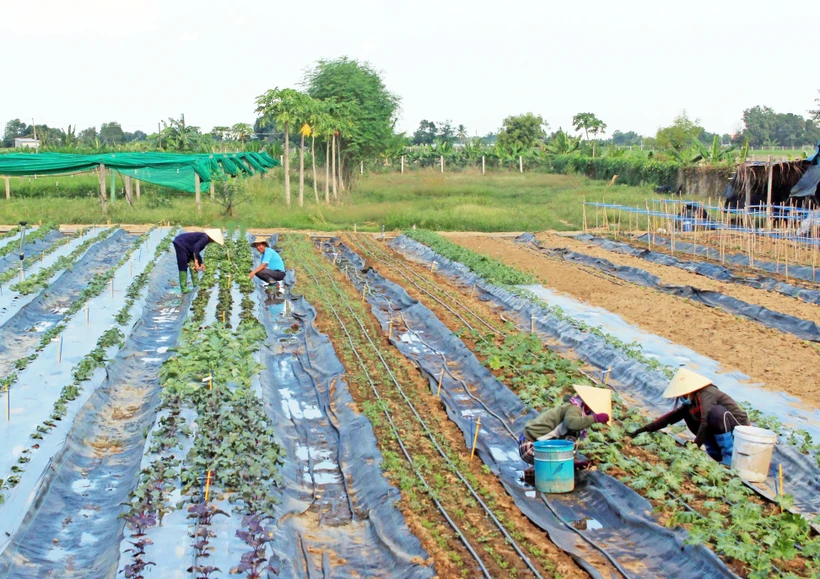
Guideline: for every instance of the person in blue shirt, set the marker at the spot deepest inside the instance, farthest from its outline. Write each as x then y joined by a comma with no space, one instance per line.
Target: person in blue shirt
188,247
271,269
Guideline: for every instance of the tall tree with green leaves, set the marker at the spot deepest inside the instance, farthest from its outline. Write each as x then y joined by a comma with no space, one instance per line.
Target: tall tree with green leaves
461,133
241,132
680,134
590,124
370,109
520,132
177,135
281,107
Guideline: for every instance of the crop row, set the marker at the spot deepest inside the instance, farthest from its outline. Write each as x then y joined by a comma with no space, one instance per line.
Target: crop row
673,477
210,421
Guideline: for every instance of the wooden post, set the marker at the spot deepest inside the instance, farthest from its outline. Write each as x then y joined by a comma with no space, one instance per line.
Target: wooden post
137,182
198,192
520,164
128,196
113,191
748,192
213,190
442,163
770,172
102,185
402,164
8,188
361,168
482,164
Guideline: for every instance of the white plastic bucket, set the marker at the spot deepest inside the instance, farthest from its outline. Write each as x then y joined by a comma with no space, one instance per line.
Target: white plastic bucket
752,452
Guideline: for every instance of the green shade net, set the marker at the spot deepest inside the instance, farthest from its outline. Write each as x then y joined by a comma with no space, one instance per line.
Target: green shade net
171,170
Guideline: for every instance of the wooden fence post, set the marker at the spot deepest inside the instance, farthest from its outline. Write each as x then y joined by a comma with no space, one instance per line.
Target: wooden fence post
213,190
138,188
770,172
441,158
520,164
482,164
198,192
402,164
128,196
102,185
8,188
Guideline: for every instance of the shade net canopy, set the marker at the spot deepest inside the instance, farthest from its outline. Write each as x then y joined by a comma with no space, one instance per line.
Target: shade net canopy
173,170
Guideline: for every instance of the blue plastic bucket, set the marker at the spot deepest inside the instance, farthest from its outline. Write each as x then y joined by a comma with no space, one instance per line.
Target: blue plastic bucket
554,466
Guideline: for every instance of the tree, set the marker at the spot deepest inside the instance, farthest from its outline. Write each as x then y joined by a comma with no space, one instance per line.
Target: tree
680,134
562,144
426,133
241,132
369,109
230,192
589,123
764,127
88,137
179,136
112,134
281,106
522,132
627,138
815,114
15,128
461,133
221,132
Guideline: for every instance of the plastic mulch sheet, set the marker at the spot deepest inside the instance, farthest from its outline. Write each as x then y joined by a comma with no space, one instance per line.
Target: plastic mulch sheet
338,516
803,329
73,528
12,259
803,272
642,385
601,521
23,331
704,268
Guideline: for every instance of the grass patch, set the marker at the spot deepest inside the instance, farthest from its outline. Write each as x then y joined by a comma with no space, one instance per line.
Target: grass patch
457,201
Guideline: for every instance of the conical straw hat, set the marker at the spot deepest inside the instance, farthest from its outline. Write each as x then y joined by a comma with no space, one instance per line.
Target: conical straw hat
215,235
598,399
685,382
260,239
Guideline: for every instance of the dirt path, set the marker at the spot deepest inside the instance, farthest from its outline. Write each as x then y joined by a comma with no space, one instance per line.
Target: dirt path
675,276
789,365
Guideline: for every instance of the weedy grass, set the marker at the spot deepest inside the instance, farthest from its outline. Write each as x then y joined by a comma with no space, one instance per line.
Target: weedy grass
457,201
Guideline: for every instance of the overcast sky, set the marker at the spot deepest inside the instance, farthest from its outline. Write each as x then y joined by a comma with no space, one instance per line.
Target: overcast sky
635,64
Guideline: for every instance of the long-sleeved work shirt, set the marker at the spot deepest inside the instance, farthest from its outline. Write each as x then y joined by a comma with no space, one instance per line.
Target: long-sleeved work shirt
567,419
193,243
696,414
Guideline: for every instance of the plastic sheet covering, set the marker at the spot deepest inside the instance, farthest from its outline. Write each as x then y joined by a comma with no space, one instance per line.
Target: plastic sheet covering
807,186
639,384
704,268
39,386
600,510
23,331
803,329
338,516
74,529
12,260
796,271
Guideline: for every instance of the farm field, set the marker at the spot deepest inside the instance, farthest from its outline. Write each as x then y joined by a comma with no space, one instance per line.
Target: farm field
365,422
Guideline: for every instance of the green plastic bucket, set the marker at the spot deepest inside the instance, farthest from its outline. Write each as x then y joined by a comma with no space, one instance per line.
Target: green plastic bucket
554,466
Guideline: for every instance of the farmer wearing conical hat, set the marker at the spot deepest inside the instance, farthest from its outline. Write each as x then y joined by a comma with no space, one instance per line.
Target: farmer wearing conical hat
271,268
570,420
710,414
188,247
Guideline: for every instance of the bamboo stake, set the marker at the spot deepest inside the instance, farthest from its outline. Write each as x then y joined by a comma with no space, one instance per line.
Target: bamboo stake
207,486
440,382
475,437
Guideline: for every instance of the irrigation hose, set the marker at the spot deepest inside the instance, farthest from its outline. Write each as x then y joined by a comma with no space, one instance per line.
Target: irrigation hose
393,428
458,473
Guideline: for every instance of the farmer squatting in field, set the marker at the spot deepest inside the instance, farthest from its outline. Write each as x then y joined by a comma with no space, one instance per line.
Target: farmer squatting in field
188,247
710,414
568,421
271,268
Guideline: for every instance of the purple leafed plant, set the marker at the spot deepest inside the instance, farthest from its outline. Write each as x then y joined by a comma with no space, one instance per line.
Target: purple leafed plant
203,571
138,524
257,538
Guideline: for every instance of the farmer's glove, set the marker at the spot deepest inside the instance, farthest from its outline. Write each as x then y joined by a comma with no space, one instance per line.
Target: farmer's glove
601,417
698,441
582,464
635,433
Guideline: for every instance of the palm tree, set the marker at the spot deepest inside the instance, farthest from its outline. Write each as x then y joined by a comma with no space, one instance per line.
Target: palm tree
281,106
461,133
241,132
318,120
590,124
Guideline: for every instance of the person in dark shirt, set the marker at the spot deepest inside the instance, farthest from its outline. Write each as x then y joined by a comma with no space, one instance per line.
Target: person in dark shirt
710,414
188,247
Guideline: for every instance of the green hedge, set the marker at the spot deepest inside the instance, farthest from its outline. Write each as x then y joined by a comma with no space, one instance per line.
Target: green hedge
630,170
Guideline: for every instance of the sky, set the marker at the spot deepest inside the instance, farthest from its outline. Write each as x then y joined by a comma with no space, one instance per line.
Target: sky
635,64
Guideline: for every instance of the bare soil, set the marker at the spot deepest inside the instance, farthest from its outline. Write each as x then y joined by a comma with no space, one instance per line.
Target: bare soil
778,361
